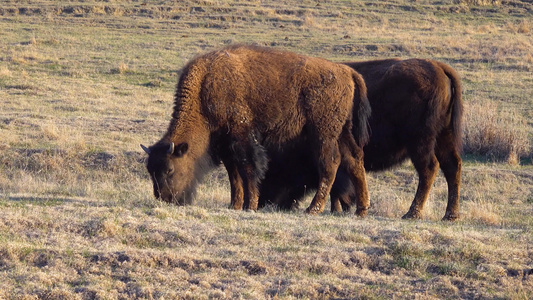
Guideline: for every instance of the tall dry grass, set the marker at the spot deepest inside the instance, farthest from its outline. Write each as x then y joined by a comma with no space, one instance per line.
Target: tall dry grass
479,2
496,132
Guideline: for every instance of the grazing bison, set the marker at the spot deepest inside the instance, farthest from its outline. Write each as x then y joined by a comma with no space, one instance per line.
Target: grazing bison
416,113
237,104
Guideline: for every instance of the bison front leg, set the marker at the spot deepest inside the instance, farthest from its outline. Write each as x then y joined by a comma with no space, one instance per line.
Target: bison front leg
340,203
356,171
236,185
342,190
336,205
328,163
251,190
335,195
353,164
427,166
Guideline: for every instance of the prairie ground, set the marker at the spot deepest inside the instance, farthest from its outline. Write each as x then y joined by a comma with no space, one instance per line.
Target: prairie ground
83,83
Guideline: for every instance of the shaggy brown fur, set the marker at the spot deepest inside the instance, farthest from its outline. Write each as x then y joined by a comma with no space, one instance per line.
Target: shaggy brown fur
236,104
416,113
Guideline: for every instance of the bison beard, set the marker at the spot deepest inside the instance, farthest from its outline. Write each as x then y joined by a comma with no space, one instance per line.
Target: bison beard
238,104
416,113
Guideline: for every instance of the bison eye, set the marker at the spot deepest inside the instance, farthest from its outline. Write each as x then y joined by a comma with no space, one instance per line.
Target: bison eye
170,171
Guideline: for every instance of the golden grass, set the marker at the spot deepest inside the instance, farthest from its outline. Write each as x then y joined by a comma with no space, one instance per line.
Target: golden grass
497,133
4,72
166,251
480,2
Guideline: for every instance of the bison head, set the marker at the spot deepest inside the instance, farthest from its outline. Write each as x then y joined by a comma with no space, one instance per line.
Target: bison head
171,171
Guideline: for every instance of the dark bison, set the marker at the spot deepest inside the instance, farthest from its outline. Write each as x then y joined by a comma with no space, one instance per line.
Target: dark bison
416,113
237,104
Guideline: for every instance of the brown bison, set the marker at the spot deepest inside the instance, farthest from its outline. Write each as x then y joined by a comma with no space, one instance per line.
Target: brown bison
416,113
239,103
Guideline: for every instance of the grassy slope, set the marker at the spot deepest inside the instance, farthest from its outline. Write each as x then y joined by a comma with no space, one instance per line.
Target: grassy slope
83,83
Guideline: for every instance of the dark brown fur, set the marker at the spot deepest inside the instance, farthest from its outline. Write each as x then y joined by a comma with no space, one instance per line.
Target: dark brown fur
239,103
416,113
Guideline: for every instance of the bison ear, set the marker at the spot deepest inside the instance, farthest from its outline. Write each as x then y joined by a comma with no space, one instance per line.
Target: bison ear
180,149
146,149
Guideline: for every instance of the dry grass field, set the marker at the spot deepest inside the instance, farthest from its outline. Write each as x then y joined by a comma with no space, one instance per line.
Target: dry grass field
84,82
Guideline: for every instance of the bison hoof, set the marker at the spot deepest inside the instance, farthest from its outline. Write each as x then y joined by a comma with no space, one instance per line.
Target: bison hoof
313,210
450,216
361,212
412,215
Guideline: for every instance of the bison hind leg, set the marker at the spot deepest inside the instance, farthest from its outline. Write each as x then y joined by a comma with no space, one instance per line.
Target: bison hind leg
328,162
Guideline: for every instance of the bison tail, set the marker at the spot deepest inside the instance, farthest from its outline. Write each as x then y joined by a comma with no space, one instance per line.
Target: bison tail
456,106
361,111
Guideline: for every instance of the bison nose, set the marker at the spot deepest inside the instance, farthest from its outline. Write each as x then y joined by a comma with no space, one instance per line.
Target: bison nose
157,193
164,196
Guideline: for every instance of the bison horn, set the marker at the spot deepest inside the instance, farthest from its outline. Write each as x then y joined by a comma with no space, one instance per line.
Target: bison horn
147,150
171,148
